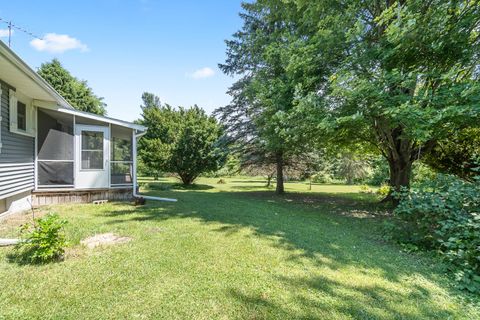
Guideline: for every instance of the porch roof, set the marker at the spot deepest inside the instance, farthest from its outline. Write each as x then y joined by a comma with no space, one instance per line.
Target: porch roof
97,117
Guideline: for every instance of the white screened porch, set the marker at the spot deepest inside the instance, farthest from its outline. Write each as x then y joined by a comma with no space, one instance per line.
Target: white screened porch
81,151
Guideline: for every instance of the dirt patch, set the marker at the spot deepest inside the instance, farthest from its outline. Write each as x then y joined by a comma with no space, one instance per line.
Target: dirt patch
104,239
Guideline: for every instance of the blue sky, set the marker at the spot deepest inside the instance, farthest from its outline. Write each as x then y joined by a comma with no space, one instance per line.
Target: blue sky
125,47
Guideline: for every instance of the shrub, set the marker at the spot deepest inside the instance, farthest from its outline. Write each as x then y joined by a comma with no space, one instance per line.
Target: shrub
443,214
384,190
43,241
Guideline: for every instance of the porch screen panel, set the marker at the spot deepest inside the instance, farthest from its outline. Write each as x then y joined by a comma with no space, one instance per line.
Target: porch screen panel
55,149
121,163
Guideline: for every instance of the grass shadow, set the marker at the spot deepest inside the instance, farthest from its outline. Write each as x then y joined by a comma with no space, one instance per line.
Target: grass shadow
332,231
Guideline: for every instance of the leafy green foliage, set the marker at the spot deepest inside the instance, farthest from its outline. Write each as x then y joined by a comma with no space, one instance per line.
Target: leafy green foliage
444,215
457,154
398,76
75,91
352,168
261,119
185,141
43,241
384,190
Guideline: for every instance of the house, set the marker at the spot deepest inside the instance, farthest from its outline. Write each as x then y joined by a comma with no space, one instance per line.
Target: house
51,152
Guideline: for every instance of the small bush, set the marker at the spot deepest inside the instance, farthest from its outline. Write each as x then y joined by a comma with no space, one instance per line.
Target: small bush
384,190
43,241
444,215
365,189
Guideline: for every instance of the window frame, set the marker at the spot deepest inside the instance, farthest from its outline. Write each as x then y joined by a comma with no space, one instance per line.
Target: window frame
22,115
14,99
102,150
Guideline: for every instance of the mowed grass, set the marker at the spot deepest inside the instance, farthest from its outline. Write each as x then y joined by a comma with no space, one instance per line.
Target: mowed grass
232,251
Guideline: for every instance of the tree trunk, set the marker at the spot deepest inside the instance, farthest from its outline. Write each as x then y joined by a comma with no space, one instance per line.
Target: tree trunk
187,179
280,187
400,153
400,173
269,180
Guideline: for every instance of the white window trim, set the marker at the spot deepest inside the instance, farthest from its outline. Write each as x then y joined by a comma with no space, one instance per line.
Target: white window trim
30,114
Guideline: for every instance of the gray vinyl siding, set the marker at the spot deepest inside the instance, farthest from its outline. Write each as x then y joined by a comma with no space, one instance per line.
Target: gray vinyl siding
16,148
17,172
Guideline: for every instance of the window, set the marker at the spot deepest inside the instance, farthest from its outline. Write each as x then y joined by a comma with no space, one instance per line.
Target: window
21,116
92,150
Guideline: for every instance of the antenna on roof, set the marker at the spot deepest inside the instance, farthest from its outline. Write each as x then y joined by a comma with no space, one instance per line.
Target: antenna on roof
10,34
12,26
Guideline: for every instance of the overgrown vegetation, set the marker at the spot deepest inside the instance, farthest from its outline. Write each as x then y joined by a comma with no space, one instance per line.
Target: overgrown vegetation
443,214
42,241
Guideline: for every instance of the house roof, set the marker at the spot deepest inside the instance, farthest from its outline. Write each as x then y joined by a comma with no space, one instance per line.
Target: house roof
21,76
27,80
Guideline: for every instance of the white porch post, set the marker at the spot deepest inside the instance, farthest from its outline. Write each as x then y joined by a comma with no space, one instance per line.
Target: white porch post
134,161
35,156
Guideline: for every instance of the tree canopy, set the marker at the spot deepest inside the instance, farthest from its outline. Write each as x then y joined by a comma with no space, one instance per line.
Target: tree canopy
395,76
260,118
185,141
75,91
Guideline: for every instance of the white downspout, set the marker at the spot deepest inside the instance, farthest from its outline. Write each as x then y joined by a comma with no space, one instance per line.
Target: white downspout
135,194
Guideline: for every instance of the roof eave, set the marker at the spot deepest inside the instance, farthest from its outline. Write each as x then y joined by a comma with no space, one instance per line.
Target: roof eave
104,119
25,68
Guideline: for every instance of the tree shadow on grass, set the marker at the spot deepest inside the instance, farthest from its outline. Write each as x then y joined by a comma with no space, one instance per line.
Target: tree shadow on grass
250,187
249,181
322,231
165,186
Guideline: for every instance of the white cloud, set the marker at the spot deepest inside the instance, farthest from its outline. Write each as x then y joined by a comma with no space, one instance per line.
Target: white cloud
4,33
202,73
58,43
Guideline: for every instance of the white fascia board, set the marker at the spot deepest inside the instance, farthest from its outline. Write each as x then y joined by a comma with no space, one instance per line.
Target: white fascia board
53,106
25,68
103,119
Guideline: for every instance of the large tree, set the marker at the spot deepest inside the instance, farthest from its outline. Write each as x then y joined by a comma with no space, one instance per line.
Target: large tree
75,91
258,119
405,73
183,141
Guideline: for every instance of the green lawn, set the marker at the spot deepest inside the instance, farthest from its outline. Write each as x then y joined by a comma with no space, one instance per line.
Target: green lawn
232,251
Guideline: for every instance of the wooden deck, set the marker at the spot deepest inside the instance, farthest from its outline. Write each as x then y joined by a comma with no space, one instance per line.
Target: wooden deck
59,196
